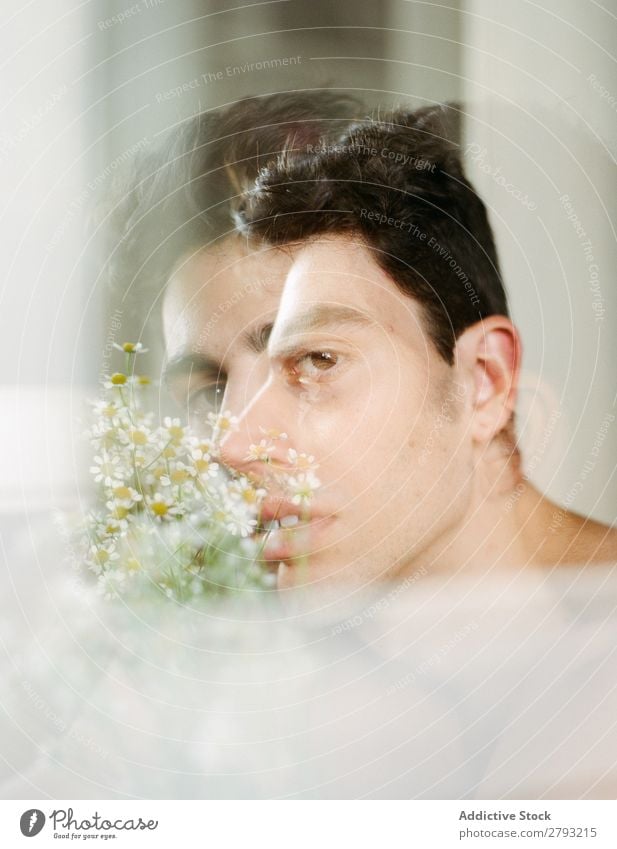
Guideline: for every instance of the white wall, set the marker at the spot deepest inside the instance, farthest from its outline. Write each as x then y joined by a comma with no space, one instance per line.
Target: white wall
47,127
45,164
538,129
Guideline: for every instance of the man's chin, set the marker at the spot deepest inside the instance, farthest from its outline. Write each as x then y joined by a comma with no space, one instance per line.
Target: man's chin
324,592
317,574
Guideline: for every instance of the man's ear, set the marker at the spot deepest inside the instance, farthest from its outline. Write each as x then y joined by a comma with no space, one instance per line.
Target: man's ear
488,357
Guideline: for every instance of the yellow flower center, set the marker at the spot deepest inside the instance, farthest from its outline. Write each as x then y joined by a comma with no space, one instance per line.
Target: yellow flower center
138,437
159,508
101,556
119,512
179,476
122,492
118,379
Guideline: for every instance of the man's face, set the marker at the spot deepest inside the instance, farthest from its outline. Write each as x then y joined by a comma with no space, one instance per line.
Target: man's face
317,342
219,307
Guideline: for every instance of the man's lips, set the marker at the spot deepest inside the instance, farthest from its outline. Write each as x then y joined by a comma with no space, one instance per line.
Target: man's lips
280,510
287,531
277,547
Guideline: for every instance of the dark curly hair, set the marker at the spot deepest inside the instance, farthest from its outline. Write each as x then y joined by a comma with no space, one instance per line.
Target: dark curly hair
178,196
397,182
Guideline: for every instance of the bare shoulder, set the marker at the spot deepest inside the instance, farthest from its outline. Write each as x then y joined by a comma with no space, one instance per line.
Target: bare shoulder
587,541
560,536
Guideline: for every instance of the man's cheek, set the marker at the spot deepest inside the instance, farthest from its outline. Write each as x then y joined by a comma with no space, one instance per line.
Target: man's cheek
431,438
329,433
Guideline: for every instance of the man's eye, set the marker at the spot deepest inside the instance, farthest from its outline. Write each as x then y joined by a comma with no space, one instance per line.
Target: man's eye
314,363
207,399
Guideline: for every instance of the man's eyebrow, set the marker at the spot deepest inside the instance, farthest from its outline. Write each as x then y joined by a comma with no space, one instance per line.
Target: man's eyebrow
185,364
317,318
256,340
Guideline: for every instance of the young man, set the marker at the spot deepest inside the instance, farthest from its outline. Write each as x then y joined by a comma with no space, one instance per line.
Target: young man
171,230
366,319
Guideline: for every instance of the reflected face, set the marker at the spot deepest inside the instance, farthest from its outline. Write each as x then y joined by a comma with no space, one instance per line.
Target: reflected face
318,343
220,306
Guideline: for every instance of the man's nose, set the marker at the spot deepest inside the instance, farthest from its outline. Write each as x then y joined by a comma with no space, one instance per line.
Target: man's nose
261,419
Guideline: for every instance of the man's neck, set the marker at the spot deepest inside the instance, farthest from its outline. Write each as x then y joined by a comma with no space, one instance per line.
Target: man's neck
508,524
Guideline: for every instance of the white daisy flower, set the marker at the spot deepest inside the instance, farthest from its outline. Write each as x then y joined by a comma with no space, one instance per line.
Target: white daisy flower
273,433
106,468
302,487
131,348
124,495
261,452
241,526
117,380
204,464
246,491
301,461
111,584
101,556
163,507
222,423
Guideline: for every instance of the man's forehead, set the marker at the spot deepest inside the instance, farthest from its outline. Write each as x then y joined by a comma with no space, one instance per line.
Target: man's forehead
341,272
216,271
236,295
216,292
289,328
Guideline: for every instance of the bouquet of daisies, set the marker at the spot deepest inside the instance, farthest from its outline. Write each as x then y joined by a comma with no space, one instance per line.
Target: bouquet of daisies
169,518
